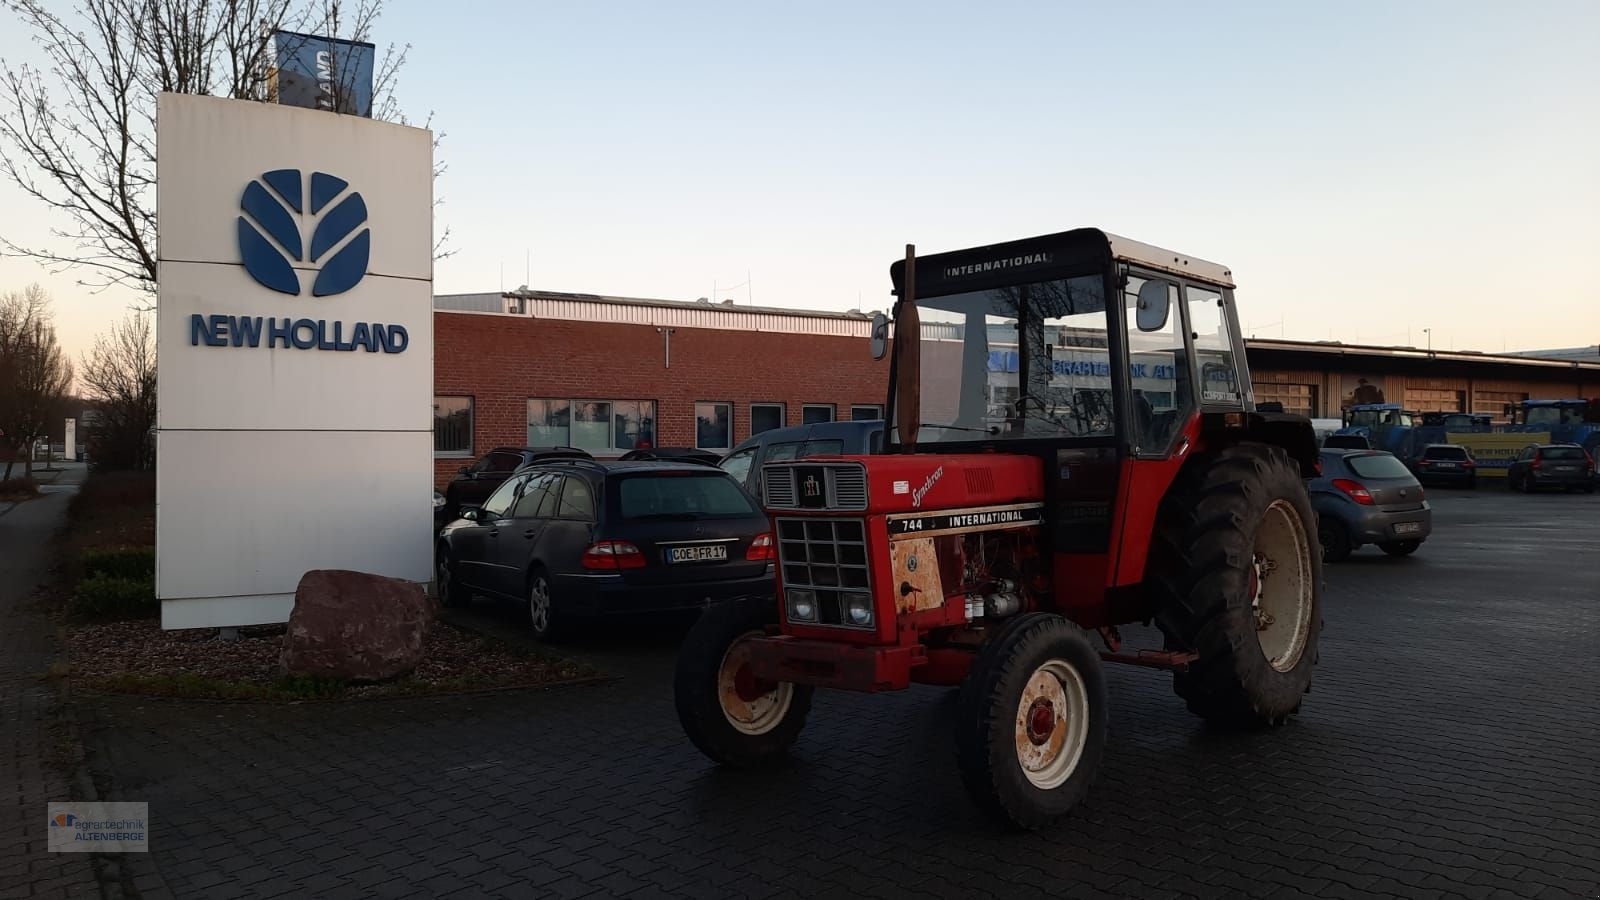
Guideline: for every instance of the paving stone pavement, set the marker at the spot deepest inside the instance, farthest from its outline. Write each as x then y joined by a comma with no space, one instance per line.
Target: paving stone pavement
32,735
1448,750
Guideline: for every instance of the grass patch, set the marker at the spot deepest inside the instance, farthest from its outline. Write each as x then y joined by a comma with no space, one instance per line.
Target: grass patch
109,597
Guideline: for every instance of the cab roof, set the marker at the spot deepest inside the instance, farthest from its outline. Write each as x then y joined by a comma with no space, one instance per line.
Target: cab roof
1047,257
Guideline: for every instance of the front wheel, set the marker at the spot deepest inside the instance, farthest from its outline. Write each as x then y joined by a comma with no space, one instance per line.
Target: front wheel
449,588
1335,540
1399,548
1032,722
735,718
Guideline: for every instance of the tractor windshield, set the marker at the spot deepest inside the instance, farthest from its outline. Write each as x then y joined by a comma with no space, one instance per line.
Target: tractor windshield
1545,415
1020,361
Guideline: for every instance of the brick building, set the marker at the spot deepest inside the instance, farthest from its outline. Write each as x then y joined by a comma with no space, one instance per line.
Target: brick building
533,368
536,368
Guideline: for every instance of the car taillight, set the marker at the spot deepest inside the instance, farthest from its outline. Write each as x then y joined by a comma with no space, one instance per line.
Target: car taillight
1468,464
1354,490
613,555
761,549
1536,462
1424,462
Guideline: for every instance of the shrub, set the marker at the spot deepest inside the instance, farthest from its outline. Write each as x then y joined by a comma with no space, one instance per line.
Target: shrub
136,563
18,489
114,490
104,596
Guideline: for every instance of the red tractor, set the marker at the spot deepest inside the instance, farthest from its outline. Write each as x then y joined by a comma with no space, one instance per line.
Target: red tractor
1073,446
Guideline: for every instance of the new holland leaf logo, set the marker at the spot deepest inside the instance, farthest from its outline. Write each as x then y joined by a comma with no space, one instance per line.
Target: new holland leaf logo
276,207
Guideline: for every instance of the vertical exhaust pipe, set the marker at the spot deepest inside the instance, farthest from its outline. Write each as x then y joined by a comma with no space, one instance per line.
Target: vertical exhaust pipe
908,358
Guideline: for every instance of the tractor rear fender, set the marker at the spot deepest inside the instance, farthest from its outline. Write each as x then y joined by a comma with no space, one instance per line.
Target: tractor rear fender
1291,432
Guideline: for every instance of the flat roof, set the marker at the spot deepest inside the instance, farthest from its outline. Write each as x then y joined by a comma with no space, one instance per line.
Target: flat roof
1339,348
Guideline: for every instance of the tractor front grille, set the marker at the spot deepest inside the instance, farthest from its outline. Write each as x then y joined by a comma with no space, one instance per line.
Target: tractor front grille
840,486
827,557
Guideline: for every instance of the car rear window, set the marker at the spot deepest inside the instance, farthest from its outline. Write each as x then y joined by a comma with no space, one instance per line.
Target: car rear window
1561,453
1444,453
713,495
1378,466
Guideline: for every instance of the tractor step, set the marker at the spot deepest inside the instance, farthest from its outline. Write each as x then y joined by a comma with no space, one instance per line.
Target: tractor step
1172,660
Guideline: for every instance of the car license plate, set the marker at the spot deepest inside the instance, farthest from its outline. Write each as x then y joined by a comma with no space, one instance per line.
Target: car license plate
697,553
1407,527
1447,465
1565,468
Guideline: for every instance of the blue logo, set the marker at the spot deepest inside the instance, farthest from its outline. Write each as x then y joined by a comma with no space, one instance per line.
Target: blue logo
276,206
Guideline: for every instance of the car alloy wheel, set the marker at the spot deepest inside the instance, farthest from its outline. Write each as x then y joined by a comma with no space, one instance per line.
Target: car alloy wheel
539,613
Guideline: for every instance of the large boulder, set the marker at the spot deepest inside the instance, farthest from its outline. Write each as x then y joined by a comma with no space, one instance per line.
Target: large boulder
356,626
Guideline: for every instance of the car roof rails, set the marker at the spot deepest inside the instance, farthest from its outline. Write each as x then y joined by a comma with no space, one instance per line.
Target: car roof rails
585,461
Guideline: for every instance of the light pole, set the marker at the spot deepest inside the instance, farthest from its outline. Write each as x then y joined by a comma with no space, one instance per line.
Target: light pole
1429,333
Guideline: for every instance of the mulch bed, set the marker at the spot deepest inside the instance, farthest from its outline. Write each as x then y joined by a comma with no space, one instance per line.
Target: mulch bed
140,658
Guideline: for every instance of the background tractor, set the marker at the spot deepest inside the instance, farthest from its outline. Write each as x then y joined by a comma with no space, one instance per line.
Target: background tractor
1073,445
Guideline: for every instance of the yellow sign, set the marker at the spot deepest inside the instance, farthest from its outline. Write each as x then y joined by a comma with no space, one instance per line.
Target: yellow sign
1495,451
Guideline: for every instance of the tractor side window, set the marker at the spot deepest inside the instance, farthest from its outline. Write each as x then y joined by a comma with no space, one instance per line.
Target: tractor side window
1159,371
1213,348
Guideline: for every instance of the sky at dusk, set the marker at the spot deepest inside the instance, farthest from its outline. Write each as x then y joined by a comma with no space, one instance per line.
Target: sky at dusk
1367,170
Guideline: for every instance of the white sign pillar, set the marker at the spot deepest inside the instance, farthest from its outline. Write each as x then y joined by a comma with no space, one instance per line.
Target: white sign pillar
69,441
295,331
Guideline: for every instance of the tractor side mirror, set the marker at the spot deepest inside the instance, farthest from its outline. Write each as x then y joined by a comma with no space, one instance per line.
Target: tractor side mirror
880,336
1154,305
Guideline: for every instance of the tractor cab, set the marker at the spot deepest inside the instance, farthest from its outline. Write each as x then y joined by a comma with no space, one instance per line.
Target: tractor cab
1539,415
1071,445
1376,415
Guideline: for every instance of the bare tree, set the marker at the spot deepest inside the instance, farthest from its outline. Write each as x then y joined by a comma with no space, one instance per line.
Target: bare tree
78,134
119,376
34,374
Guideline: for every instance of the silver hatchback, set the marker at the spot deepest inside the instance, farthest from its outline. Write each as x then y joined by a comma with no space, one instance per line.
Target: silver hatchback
1368,497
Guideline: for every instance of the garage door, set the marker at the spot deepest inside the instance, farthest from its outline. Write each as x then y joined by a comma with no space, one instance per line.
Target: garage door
1495,402
1431,400
1296,398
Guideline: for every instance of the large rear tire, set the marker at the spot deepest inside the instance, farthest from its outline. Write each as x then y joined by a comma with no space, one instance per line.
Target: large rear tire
1237,578
733,717
1032,722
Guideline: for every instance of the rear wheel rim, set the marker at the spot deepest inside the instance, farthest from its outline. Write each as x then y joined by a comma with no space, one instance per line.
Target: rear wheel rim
1052,724
751,706
539,605
1280,586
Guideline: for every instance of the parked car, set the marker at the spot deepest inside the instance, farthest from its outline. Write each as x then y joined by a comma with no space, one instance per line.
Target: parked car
476,482
1346,442
1368,497
1449,464
1565,466
579,539
438,511
677,454
853,438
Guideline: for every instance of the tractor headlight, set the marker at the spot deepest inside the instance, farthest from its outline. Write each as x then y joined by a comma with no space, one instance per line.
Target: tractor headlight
802,605
858,609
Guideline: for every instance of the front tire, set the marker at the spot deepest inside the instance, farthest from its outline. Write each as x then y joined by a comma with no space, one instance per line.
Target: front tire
450,590
734,718
1032,722
1237,580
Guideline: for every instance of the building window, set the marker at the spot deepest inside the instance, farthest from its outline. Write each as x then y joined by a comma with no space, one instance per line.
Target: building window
713,426
766,416
812,413
452,426
598,426
865,413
